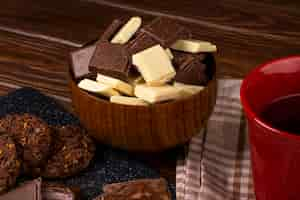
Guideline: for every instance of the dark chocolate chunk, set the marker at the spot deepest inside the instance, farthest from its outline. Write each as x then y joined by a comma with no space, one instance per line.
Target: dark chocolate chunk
80,60
32,137
140,43
111,30
166,31
52,191
182,58
111,59
30,190
72,152
9,162
155,189
191,69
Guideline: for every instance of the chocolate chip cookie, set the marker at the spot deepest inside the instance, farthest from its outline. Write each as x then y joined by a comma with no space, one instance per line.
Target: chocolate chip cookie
9,162
72,152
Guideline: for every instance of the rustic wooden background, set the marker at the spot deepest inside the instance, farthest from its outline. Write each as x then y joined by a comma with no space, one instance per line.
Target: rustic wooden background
36,36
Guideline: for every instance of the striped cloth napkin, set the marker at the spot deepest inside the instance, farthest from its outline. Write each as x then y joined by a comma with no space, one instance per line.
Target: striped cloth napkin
217,165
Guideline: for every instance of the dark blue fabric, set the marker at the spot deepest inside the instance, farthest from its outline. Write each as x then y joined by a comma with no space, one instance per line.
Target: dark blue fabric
109,165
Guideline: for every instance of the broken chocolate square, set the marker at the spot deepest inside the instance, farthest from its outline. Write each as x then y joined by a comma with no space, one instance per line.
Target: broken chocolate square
141,42
166,31
80,60
191,68
180,58
110,59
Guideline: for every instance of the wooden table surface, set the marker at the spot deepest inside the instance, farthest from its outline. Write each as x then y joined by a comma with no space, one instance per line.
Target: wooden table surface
36,37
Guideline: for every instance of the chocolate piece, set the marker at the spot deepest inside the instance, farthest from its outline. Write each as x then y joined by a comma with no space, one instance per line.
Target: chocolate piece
194,46
155,65
111,30
157,93
155,189
97,88
30,190
141,42
132,101
110,59
72,152
183,58
188,90
117,84
192,72
52,191
166,31
32,136
9,162
80,60
127,31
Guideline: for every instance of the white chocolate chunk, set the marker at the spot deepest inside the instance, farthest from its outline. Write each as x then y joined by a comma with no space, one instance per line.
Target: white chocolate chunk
127,31
133,101
117,84
157,94
98,88
194,46
188,90
154,65
169,52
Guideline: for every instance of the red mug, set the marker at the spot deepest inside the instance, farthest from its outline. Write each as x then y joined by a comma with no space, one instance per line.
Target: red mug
275,154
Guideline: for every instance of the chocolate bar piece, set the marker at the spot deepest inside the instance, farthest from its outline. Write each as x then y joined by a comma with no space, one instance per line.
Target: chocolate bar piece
137,189
57,192
111,30
131,101
166,31
194,46
127,31
28,191
80,60
155,65
182,58
188,90
190,68
192,72
116,84
158,93
110,59
141,42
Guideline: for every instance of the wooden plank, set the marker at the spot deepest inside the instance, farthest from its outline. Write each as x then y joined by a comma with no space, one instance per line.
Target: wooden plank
71,22
247,33
37,63
235,15
245,37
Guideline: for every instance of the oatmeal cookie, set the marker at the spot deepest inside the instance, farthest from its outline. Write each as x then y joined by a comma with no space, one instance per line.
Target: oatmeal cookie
32,136
9,162
72,152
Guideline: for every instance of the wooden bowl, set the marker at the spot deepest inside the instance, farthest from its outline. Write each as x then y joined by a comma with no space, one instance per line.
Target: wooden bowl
144,128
